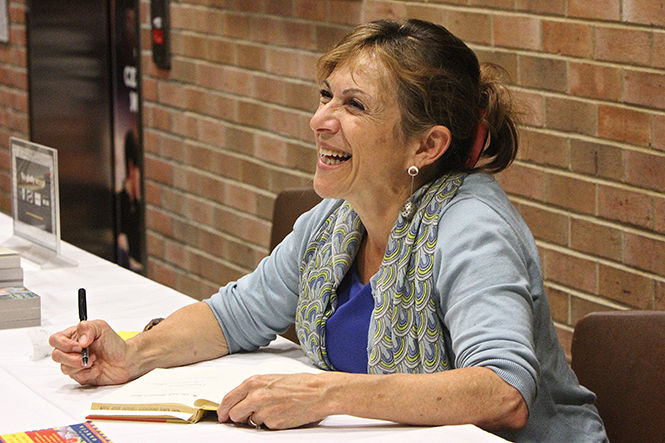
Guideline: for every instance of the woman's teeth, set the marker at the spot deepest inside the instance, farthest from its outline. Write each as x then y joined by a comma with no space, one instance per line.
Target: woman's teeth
330,157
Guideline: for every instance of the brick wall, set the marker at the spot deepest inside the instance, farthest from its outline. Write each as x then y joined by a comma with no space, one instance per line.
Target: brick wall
227,128
13,94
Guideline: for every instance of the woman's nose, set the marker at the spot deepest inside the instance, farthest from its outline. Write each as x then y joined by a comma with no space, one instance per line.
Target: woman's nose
324,120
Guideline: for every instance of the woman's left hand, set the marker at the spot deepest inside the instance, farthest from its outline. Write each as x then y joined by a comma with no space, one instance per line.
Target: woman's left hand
277,401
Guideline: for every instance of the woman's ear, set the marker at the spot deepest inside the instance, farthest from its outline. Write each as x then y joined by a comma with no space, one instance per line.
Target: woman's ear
433,145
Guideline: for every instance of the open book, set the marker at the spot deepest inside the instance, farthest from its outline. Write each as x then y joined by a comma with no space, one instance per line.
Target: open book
184,394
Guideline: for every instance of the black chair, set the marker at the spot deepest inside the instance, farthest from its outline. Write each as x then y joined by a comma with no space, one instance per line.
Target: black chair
620,355
289,205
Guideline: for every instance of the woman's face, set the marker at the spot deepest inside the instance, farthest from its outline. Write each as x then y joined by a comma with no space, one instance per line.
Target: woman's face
362,157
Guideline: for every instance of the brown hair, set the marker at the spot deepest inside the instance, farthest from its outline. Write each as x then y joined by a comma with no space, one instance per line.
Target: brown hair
439,82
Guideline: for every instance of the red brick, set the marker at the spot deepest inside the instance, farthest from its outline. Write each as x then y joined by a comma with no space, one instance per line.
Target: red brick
622,45
643,88
222,51
270,149
596,159
624,124
658,50
625,287
546,224
659,132
556,7
644,253
630,207
375,10
506,60
571,115
211,131
327,36
499,4
580,307
347,12
543,73
237,25
158,170
470,26
269,89
644,12
312,9
645,170
597,10
588,80
544,149
570,271
659,298
528,37
559,304
595,239
429,13
567,38
571,193
659,214
531,107
524,181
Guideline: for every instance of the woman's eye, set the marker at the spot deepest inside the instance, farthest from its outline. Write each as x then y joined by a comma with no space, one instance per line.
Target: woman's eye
325,95
356,104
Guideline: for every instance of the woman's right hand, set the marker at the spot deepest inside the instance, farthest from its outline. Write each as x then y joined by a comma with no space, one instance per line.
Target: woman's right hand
108,354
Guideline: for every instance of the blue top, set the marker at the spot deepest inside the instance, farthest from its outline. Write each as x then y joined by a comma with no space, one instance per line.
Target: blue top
491,300
347,328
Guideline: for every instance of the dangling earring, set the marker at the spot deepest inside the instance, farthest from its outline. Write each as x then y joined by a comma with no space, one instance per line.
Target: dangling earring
410,207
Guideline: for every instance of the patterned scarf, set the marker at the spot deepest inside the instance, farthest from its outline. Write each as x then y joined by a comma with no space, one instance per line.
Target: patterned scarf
404,331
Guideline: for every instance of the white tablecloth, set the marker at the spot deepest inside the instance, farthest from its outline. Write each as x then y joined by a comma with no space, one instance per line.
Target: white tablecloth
34,394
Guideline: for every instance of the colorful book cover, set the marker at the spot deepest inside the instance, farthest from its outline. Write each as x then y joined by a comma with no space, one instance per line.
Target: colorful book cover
85,432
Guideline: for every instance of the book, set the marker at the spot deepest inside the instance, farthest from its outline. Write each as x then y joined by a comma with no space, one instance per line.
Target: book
184,394
19,307
9,258
85,432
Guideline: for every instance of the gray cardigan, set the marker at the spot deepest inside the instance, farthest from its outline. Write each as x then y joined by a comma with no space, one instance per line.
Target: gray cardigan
491,298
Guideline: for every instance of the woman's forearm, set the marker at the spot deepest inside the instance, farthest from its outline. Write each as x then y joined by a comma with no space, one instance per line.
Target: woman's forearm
189,335
470,395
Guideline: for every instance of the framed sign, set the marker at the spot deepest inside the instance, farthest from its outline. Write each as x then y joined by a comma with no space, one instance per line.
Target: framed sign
35,201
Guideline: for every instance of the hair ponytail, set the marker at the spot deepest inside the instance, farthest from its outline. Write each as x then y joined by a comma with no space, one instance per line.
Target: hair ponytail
501,120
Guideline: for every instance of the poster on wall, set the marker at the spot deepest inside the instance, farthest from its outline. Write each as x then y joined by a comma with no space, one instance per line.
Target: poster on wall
127,140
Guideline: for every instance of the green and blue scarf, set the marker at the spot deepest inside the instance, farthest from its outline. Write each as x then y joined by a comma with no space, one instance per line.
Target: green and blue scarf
405,334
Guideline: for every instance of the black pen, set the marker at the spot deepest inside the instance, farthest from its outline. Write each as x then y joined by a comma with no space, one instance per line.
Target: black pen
83,315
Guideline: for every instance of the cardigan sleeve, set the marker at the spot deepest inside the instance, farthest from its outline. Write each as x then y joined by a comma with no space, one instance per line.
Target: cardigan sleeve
485,291
261,304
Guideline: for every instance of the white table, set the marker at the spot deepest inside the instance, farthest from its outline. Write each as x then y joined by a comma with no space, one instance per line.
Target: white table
34,394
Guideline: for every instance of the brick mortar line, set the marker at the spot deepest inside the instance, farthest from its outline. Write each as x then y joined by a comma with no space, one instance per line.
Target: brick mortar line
587,179
202,199
568,58
493,11
589,138
204,227
599,260
250,159
206,254
588,297
197,277
564,95
588,218
242,98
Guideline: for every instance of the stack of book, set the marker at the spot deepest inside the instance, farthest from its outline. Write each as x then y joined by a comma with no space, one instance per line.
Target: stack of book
19,306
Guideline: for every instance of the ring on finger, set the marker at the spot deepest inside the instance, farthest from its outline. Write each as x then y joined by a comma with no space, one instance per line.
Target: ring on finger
252,423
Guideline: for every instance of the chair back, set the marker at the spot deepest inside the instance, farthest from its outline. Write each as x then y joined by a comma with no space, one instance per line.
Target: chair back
620,356
289,205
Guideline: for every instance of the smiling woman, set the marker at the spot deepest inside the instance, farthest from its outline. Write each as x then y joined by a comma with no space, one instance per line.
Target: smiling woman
430,316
